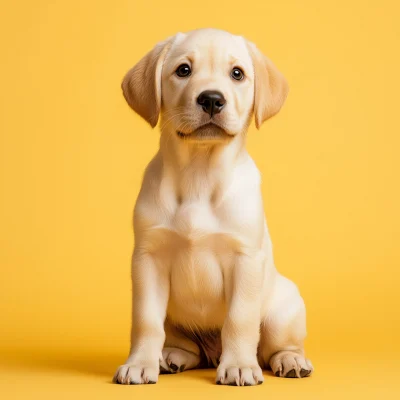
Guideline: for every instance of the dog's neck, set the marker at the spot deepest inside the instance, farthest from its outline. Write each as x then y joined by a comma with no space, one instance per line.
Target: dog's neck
200,170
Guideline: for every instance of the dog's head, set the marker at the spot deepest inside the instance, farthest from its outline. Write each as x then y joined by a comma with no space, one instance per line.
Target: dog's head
206,84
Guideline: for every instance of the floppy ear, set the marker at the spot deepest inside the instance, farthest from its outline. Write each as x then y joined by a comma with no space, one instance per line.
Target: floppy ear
142,83
270,87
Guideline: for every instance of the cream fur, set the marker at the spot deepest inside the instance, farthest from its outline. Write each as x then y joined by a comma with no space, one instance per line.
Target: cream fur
203,255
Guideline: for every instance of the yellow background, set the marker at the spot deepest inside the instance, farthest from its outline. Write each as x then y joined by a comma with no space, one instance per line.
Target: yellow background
72,157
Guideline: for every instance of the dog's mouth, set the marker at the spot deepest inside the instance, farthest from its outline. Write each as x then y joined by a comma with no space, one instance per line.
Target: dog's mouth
207,132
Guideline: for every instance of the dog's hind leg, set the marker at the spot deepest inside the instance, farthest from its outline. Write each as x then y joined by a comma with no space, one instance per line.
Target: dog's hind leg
179,352
283,332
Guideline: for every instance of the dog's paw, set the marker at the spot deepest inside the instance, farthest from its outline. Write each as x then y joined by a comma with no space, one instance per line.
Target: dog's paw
289,364
133,374
241,375
177,360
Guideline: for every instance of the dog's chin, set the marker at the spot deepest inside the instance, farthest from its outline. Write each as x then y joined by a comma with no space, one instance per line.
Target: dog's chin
209,133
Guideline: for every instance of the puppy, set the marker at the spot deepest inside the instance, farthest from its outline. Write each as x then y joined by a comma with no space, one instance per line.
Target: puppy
205,289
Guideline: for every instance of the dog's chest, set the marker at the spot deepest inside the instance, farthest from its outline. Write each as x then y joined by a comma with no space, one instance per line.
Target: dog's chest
195,221
198,251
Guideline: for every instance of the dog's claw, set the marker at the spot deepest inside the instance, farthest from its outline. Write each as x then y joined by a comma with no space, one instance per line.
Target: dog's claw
174,367
291,374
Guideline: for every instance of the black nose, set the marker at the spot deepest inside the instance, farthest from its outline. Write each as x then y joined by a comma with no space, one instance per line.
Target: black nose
211,101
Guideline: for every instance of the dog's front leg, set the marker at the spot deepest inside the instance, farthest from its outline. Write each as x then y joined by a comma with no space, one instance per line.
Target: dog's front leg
241,330
150,288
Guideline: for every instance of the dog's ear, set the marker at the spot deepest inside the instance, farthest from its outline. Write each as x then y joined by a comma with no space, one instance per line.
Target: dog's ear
142,83
270,87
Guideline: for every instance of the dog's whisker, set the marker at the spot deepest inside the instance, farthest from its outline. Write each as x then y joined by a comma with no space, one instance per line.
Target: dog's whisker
165,123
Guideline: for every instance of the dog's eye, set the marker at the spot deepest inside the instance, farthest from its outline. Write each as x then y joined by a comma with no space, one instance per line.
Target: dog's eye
183,71
237,74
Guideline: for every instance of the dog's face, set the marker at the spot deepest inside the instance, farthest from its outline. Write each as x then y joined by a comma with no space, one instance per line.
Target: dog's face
206,84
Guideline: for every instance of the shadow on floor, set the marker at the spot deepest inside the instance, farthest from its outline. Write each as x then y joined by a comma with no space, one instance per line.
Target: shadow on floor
98,365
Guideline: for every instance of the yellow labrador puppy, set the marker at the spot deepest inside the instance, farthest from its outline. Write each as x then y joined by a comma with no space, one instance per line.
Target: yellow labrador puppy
205,289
